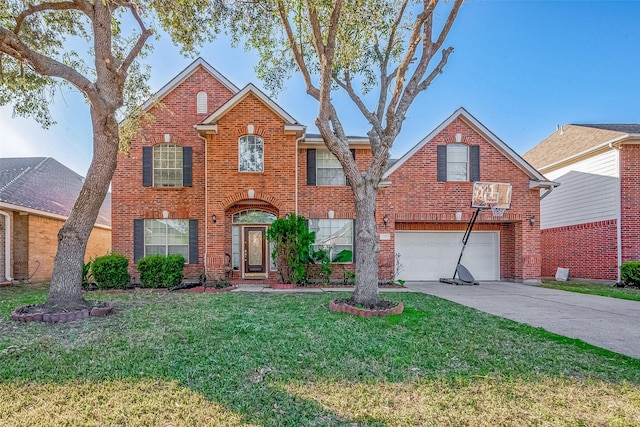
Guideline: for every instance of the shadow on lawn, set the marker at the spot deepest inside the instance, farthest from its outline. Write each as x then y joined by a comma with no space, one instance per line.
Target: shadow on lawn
242,351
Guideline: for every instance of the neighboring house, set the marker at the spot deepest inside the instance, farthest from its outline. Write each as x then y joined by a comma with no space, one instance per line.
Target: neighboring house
36,196
219,164
591,223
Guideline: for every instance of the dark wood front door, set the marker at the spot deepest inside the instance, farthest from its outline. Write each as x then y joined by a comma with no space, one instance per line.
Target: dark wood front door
255,251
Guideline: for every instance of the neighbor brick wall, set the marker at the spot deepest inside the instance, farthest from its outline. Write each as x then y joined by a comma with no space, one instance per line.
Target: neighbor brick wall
589,250
630,199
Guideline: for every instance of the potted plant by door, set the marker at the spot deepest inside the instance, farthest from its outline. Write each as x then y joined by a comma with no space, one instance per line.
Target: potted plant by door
291,248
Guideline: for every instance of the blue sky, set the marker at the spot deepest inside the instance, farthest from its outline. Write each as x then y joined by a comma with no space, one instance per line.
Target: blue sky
520,67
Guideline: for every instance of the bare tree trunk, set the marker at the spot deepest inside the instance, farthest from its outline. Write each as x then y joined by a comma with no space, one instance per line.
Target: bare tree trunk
65,292
368,247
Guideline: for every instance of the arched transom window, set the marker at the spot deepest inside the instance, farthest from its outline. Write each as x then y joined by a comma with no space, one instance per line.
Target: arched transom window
253,217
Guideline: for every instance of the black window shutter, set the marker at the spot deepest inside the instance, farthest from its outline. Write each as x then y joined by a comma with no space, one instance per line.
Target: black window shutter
193,241
147,166
442,163
311,166
187,162
138,240
353,153
474,163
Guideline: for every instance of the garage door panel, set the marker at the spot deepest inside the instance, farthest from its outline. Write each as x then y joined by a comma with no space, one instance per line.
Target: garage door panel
428,255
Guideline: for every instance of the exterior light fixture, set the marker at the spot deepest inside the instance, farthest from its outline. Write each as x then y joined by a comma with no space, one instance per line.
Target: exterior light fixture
214,218
532,220
385,219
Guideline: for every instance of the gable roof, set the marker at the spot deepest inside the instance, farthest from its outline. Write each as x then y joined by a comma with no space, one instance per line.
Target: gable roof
43,184
573,140
183,75
507,151
239,96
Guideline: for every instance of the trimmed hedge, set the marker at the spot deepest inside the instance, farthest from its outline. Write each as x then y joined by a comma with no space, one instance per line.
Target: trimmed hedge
110,271
630,273
157,271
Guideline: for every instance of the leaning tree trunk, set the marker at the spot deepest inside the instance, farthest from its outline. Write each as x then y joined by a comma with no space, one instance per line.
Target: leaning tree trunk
367,247
65,292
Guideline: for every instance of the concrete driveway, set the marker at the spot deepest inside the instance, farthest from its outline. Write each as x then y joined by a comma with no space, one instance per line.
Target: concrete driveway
605,322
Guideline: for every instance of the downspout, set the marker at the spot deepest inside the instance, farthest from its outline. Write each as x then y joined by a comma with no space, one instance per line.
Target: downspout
296,185
206,204
619,211
7,246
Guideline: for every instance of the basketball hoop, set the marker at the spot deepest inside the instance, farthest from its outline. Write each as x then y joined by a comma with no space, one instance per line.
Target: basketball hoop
496,211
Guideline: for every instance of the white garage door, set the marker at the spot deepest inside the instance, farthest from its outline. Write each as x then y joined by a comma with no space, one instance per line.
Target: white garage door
430,255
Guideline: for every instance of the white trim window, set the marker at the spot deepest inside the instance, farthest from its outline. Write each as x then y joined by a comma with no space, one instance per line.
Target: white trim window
166,237
333,235
201,102
251,154
167,165
457,162
328,169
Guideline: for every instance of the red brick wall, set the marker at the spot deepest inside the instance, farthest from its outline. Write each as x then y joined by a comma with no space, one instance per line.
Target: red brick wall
630,199
588,250
416,195
130,200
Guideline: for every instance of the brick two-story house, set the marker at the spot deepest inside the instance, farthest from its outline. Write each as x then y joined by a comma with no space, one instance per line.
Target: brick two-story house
219,164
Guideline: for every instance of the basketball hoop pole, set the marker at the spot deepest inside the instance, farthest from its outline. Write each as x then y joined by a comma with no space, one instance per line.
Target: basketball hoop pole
465,238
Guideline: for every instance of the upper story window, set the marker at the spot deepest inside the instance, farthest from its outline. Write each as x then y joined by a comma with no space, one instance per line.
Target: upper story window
201,102
167,165
251,154
457,162
323,168
328,169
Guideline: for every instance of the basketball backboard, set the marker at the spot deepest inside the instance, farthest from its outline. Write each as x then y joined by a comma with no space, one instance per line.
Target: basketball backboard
488,194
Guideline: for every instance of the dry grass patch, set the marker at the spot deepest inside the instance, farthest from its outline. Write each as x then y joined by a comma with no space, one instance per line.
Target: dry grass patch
480,402
110,403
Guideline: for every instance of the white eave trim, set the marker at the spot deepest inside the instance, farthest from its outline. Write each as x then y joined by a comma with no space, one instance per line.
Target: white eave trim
294,128
238,97
319,141
11,206
542,184
206,128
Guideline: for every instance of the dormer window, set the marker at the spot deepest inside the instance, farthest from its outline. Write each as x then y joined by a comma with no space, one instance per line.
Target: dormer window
201,102
251,154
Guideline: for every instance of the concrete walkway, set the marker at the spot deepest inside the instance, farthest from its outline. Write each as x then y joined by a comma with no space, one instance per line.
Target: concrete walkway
605,322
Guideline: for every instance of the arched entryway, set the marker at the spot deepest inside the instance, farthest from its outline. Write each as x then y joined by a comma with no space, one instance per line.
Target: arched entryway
250,250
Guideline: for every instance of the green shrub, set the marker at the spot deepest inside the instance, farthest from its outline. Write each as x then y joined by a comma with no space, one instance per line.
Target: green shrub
161,271
292,242
110,271
630,273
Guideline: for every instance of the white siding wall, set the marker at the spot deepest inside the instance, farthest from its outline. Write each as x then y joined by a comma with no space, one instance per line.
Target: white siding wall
588,192
605,164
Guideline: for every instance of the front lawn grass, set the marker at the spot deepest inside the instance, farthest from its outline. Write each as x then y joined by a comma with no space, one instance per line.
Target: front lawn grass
602,289
242,359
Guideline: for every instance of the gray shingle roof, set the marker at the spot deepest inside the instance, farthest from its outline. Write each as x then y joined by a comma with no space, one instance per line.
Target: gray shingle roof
624,128
44,184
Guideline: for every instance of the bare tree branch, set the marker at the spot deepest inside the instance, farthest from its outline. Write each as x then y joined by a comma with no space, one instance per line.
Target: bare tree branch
297,53
35,8
145,33
11,44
